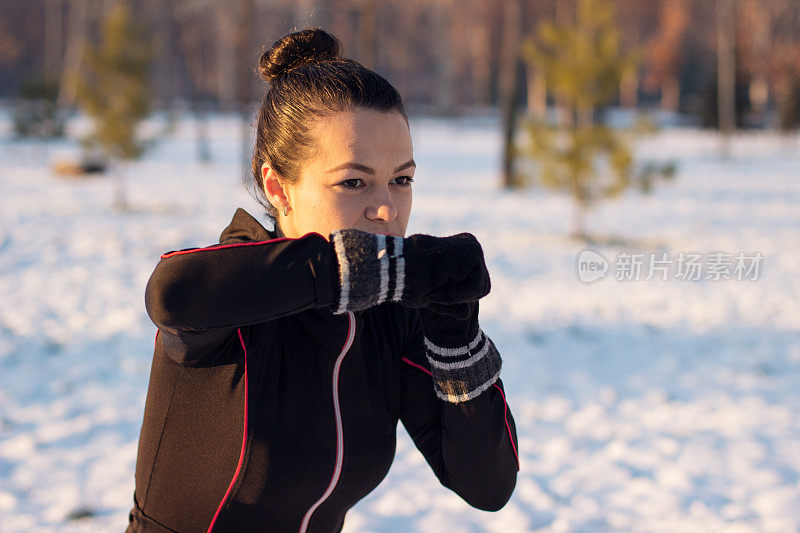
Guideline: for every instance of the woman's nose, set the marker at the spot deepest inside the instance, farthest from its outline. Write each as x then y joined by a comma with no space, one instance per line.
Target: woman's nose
383,208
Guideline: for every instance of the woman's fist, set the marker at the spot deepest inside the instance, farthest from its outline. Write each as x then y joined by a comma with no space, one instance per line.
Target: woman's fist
416,271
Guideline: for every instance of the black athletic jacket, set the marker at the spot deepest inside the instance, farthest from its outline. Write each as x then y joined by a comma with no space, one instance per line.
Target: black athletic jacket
267,412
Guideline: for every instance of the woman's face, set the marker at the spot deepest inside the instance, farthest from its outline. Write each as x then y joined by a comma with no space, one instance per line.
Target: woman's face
359,176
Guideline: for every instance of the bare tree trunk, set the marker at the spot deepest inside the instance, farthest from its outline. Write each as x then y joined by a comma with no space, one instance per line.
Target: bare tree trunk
585,117
565,17
226,26
197,86
726,71
480,52
246,58
629,24
761,28
368,33
629,89
565,12
53,36
670,94
445,99
340,20
537,93
510,79
78,21
164,71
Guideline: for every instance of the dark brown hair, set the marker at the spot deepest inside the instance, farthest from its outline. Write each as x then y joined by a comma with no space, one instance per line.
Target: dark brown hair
308,79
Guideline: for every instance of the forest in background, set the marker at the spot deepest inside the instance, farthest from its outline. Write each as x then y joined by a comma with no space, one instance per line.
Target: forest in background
444,56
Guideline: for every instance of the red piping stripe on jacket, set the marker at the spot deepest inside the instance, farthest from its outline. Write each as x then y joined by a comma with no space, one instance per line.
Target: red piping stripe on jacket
244,441
235,245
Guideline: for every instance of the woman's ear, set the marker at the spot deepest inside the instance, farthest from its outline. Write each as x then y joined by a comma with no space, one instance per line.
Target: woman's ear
273,188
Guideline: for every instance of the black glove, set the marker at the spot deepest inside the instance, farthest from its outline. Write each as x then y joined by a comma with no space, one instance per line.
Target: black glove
416,271
463,360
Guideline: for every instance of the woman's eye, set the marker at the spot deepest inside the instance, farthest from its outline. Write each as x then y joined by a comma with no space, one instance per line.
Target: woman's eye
352,183
356,183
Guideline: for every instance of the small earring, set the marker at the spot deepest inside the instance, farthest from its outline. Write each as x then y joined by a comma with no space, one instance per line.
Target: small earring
286,210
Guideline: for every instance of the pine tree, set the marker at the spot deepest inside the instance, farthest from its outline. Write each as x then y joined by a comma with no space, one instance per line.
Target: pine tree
582,66
114,90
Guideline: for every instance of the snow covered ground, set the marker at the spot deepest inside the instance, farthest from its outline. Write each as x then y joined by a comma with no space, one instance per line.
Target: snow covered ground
649,405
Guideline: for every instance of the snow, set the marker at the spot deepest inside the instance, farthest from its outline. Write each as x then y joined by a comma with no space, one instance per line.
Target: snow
644,405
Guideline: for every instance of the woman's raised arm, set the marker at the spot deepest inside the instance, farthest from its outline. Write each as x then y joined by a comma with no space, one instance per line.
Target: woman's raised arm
239,284
454,408
198,297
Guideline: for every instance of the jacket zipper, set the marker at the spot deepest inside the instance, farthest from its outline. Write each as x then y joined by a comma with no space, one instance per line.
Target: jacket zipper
337,470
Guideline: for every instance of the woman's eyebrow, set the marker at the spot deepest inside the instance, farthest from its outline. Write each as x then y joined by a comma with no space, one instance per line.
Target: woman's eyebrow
407,164
363,168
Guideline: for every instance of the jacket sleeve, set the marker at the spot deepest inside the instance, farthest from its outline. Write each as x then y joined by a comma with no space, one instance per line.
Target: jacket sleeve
471,446
198,297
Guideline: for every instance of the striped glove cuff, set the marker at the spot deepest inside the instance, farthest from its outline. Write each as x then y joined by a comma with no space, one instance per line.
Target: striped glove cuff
371,269
461,370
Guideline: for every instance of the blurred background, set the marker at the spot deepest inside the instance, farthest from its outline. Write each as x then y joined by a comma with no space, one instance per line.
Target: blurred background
447,57
650,398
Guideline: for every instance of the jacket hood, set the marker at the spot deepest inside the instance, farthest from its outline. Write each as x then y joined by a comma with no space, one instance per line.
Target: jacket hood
244,227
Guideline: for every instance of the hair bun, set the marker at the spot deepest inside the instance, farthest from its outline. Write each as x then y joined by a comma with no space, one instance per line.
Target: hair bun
304,47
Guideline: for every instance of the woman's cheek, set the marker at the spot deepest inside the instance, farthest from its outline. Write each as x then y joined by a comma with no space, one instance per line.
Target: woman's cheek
345,209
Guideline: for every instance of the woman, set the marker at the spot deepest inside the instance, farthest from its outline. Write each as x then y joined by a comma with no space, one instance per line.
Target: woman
284,359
